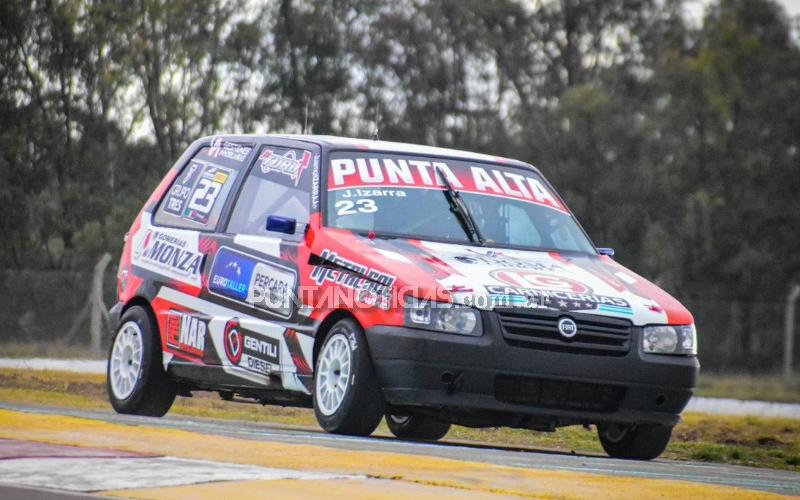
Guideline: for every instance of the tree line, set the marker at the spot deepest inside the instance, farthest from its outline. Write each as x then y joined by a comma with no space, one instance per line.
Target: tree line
674,138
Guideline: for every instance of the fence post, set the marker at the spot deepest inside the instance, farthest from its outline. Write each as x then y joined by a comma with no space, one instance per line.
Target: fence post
788,341
97,307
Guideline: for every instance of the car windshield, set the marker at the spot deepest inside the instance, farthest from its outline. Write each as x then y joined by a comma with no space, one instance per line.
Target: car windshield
396,195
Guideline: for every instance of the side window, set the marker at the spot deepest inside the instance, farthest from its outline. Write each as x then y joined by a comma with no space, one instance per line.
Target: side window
196,197
279,184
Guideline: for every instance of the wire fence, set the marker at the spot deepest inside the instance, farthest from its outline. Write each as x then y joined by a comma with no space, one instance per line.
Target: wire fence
43,309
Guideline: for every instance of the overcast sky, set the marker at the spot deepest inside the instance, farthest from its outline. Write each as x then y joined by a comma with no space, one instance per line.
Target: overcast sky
792,6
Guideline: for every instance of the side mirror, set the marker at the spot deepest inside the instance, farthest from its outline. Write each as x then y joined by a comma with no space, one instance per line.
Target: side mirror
281,224
606,251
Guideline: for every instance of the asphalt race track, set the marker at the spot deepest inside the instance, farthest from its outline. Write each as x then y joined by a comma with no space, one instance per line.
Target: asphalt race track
782,482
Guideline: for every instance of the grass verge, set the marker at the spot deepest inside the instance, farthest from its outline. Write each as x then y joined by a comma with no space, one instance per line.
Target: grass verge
758,388
753,441
713,385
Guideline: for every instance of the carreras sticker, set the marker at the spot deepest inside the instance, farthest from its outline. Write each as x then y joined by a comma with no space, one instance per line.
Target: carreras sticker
417,173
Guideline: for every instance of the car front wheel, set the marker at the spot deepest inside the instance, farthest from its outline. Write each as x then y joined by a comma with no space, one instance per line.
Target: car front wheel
347,397
640,442
136,381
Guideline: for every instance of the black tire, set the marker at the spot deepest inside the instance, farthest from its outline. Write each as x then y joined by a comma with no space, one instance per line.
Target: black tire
417,427
641,442
361,407
152,393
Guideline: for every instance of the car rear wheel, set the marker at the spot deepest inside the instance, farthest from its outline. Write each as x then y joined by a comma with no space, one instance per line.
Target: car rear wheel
641,442
137,384
417,427
347,398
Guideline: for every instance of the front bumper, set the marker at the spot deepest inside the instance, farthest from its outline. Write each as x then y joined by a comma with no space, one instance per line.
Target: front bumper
486,381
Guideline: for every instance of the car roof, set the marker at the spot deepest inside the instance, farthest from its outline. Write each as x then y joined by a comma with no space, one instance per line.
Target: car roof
336,142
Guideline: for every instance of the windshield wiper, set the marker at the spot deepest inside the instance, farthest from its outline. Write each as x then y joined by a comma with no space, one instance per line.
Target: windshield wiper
459,208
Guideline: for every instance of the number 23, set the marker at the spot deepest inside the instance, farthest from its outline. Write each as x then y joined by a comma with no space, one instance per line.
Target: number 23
348,207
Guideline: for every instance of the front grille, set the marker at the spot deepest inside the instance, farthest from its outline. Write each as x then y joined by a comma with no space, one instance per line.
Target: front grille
538,329
558,394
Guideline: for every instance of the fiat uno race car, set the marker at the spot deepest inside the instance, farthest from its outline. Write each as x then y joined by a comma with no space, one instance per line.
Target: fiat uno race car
371,279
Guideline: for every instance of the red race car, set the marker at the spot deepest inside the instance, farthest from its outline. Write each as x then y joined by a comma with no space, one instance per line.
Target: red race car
370,279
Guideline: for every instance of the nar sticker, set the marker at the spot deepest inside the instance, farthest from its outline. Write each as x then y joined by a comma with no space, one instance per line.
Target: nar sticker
291,163
249,350
379,171
171,253
267,286
195,192
186,333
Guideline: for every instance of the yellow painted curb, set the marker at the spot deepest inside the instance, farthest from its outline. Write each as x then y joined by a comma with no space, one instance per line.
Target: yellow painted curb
378,489
421,470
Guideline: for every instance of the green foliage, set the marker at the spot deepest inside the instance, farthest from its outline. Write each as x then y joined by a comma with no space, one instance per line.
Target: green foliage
675,142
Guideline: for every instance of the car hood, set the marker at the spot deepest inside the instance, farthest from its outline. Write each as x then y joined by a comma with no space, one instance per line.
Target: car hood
489,278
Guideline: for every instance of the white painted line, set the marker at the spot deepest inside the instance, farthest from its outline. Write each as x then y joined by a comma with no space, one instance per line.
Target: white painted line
67,365
98,474
722,406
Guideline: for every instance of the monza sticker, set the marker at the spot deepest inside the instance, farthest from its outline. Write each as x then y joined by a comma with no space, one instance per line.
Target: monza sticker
267,286
249,350
171,253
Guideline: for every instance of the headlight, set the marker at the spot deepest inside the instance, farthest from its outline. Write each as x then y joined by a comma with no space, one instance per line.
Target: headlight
670,339
442,316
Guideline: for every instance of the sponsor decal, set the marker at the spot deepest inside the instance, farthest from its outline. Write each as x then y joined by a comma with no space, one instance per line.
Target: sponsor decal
373,286
287,164
315,185
418,173
169,254
220,148
492,258
556,299
264,285
532,279
195,193
186,333
556,292
234,344
249,350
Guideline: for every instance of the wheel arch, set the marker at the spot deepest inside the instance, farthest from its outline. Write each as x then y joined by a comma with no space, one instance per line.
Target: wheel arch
144,304
322,331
